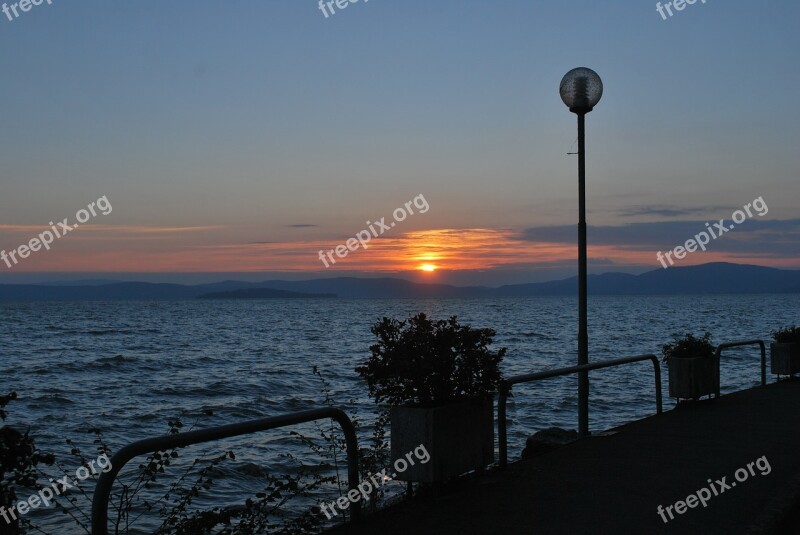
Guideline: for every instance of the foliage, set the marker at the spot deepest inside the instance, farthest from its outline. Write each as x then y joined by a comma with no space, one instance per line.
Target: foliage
159,487
787,335
430,363
371,460
19,459
689,346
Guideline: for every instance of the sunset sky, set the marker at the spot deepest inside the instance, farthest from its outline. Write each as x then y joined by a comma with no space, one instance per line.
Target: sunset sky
238,139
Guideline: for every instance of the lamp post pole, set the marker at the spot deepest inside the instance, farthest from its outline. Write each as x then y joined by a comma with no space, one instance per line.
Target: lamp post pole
581,90
583,331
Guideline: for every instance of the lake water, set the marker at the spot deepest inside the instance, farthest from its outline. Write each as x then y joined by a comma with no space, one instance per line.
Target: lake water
128,367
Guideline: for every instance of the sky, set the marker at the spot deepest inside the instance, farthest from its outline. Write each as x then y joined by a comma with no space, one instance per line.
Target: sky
248,139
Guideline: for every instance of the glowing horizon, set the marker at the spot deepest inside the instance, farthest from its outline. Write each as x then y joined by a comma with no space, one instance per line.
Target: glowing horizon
108,248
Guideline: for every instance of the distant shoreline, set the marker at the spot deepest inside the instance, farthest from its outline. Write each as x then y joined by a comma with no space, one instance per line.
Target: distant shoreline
264,293
706,279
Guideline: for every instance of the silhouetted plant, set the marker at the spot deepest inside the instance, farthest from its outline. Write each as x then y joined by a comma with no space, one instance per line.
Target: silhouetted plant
19,459
376,457
787,335
371,460
259,514
428,363
159,487
689,346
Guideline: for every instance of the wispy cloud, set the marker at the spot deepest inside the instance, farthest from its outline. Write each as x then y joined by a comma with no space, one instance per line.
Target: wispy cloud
119,229
668,211
197,249
753,240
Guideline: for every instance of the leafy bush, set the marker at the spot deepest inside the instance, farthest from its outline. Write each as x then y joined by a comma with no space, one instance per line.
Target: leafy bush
19,459
427,363
787,335
162,487
689,346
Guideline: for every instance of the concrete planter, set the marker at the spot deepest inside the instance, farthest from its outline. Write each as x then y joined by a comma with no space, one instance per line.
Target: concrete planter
459,438
693,377
784,359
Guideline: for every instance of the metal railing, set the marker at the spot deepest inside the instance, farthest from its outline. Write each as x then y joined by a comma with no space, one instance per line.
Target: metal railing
507,384
151,445
727,345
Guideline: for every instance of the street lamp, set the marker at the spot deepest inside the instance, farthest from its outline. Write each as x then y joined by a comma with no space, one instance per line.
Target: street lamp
581,90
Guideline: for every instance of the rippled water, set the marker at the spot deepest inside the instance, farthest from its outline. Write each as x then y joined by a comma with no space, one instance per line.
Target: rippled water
128,367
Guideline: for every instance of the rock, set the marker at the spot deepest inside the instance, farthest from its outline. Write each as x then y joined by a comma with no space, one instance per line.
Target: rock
251,469
547,440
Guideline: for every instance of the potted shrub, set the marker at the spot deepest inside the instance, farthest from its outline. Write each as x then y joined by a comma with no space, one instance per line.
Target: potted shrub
693,370
439,378
784,351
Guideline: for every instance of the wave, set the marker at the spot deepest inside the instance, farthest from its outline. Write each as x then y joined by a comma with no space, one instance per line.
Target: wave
53,399
117,359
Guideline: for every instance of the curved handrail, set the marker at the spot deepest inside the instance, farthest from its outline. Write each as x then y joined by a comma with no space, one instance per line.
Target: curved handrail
727,345
150,445
506,384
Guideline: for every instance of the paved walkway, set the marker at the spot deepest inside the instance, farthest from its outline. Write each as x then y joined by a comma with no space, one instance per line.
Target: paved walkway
614,484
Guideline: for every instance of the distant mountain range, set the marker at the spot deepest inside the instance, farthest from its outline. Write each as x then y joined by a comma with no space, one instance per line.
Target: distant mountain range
714,278
261,293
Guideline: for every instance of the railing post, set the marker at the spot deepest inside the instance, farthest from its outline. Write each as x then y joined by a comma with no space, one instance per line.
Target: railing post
502,424
351,441
657,372
761,345
717,356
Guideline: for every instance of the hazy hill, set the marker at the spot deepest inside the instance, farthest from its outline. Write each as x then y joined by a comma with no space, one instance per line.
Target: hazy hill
712,278
261,293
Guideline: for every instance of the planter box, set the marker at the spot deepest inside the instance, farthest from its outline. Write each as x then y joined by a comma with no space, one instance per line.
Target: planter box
784,359
459,438
691,378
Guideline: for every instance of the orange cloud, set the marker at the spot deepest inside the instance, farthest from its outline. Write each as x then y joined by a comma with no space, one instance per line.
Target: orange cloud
107,248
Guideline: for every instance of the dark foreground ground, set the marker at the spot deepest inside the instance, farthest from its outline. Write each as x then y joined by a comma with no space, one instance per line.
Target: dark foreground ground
614,483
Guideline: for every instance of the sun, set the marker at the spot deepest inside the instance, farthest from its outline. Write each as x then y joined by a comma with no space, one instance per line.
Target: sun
428,267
